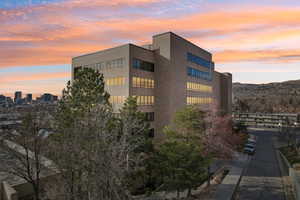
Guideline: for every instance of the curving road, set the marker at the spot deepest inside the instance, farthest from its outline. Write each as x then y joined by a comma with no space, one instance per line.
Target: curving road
261,180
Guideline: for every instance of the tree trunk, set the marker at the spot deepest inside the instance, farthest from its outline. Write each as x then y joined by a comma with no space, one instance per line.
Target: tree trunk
189,192
208,172
36,191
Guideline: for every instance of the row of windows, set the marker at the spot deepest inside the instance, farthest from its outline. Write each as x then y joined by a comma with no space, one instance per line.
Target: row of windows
115,81
107,65
117,99
198,100
199,61
199,74
145,100
149,116
142,82
143,65
141,100
198,87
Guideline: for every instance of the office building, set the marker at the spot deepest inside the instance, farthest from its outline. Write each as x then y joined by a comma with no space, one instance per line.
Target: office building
47,98
164,76
28,98
18,97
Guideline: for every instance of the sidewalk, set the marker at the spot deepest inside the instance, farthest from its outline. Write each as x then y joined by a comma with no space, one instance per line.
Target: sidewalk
286,179
222,191
227,189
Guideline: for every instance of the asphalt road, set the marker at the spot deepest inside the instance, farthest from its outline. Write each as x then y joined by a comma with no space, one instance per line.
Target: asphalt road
261,180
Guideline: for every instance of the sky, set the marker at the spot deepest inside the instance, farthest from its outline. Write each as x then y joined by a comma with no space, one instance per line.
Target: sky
258,41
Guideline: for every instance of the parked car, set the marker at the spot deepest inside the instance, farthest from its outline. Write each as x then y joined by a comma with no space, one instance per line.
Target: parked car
251,140
251,143
249,150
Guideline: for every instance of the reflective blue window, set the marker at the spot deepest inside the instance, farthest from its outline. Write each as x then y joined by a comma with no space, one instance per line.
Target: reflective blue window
143,65
200,61
199,74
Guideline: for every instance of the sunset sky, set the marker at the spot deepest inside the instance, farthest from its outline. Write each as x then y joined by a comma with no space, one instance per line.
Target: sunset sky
258,41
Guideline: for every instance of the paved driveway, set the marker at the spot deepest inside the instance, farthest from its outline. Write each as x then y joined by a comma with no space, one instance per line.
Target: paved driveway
261,180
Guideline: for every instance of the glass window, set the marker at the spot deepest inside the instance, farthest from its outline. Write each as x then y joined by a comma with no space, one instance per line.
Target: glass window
143,65
199,74
145,100
198,87
115,81
138,82
200,61
116,99
149,116
142,82
198,100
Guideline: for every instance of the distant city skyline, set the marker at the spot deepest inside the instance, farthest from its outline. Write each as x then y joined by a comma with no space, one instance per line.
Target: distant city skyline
257,41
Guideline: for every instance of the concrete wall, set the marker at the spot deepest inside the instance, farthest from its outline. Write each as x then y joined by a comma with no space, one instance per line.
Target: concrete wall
171,76
288,170
145,55
222,86
89,60
163,82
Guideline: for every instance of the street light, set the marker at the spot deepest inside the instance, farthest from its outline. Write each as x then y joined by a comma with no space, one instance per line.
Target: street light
295,132
279,125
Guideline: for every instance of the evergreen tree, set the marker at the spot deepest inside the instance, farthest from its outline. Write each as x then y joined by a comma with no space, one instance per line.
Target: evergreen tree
182,165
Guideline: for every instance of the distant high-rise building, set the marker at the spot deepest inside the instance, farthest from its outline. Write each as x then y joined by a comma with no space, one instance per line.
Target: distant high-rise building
46,97
55,98
18,97
2,98
29,98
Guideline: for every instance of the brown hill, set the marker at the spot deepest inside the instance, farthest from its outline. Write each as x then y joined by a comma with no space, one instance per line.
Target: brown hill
271,97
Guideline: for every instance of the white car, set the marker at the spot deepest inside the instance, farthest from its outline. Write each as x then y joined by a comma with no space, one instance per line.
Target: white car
249,150
250,145
251,140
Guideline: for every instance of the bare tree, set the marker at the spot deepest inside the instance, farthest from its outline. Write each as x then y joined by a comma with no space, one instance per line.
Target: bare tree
26,148
219,141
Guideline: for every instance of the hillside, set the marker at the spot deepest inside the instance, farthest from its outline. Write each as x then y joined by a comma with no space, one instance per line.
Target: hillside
271,97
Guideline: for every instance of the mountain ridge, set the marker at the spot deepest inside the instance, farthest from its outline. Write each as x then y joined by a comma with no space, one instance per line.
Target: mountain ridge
268,97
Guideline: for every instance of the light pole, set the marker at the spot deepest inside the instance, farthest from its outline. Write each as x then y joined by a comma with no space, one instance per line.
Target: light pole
280,129
295,133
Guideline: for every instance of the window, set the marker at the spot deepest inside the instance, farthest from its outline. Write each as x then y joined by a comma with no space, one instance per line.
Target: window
151,133
116,99
142,82
200,61
198,100
199,74
143,65
149,116
116,81
145,100
198,87
108,65
76,69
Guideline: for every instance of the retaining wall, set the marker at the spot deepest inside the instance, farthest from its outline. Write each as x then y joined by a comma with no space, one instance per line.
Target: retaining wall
294,174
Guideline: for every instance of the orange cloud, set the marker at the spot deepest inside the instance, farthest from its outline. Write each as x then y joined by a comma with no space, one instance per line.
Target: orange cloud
36,83
258,55
12,78
52,34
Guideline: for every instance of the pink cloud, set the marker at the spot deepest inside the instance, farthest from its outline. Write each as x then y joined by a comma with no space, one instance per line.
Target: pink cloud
52,34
